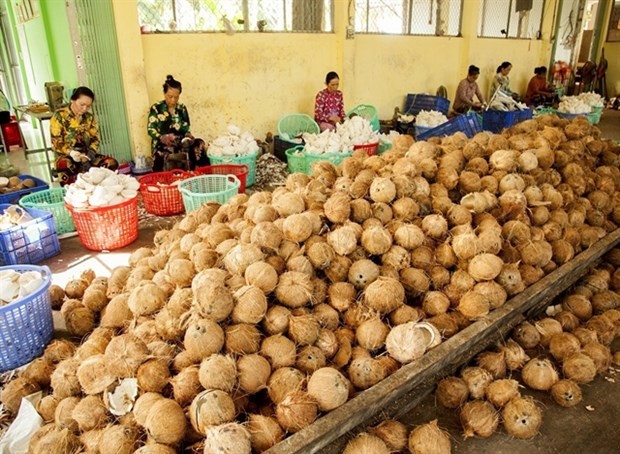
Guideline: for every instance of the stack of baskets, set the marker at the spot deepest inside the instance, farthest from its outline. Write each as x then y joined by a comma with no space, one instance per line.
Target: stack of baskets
290,128
239,170
415,103
248,160
52,200
208,188
29,242
26,325
160,194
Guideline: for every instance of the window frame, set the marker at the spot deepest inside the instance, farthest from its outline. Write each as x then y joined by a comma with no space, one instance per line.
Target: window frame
508,23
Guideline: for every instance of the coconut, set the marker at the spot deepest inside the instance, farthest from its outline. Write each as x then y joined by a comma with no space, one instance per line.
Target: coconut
124,354
93,375
75,288
435,303
329,388
539,374
526,335
478,418
327,316
376,240
452,392
50,439
429,439
371,334
585,335
337,208
294,289
284,381
12,393
566,393
474,305
366,443
64,380
143,406
579,367
209,408
264,432
95,298
500,392
485,267
304,329
155,448
242,338
63,414
604,328
116,314
435,226
547,327
343,240
276,319
477,380
146,298
279,350
514,355
203,337
296,411
310,358
230,438
39,372
408,341
492,362
562,345
600,354
90,413
384,295
153,375
465,245
604,301
522,417
254,371
365,372
409,236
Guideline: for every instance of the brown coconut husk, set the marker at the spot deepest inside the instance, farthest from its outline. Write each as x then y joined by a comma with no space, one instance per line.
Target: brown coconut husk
90,413
478,418
296,411
118,439
165,422
566,393
185,385
452,392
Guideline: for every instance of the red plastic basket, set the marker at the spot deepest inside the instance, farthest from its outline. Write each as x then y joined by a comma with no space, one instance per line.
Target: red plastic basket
238,170
369,148
160,196
106,228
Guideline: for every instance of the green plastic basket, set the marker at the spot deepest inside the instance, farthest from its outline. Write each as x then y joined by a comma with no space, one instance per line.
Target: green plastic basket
383,147
249,160
369,113
293,125
334,158
199,190
52,200
296,159
595,116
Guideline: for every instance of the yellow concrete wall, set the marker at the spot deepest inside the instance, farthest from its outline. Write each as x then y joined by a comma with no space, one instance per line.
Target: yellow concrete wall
253,79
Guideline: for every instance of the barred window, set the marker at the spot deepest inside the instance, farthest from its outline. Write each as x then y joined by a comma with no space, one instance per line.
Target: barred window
511,18
409,17
235,15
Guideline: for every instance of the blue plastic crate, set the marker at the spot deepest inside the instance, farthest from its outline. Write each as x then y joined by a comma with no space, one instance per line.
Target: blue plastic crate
13,197
497,120
26,325
469,124
418,102
30,242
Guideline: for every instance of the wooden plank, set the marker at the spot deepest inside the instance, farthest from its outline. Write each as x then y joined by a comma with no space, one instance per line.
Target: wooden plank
445,357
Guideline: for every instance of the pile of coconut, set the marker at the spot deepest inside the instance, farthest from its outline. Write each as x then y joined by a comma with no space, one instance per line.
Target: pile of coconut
557,353
249,320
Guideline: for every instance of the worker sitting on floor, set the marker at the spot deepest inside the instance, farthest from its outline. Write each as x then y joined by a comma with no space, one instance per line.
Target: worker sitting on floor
75,138
539,91
172,143
465,92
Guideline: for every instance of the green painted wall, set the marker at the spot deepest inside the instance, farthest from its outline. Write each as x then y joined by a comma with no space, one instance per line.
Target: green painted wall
54,16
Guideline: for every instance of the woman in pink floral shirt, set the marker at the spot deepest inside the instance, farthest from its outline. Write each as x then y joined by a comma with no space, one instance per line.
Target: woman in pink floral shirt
329,105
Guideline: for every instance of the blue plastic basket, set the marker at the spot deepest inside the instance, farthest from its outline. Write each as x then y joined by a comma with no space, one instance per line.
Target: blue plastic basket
497,120
418,102
13,197
26,325
420,130
469,124
249,160
208,188
30,242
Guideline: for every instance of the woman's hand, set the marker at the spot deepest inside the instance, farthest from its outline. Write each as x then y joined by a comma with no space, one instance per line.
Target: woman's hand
167,139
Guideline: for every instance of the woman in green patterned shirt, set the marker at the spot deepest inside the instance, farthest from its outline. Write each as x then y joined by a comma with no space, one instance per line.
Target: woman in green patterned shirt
75,138
171,140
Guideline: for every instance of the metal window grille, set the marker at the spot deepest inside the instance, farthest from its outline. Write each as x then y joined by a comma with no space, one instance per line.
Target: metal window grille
511,18
409,17
233,16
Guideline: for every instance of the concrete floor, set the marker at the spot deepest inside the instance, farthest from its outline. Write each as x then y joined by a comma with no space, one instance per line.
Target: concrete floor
565,431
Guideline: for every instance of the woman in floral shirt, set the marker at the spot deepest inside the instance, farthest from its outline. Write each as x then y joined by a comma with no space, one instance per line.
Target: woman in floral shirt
329,104
75,138
168,126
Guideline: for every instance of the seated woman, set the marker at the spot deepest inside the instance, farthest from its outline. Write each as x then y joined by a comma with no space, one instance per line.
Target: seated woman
502,81
539,92
75,138
468,87
329,104
171,139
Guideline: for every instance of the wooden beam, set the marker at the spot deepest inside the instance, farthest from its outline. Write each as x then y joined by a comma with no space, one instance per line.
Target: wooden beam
414,380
